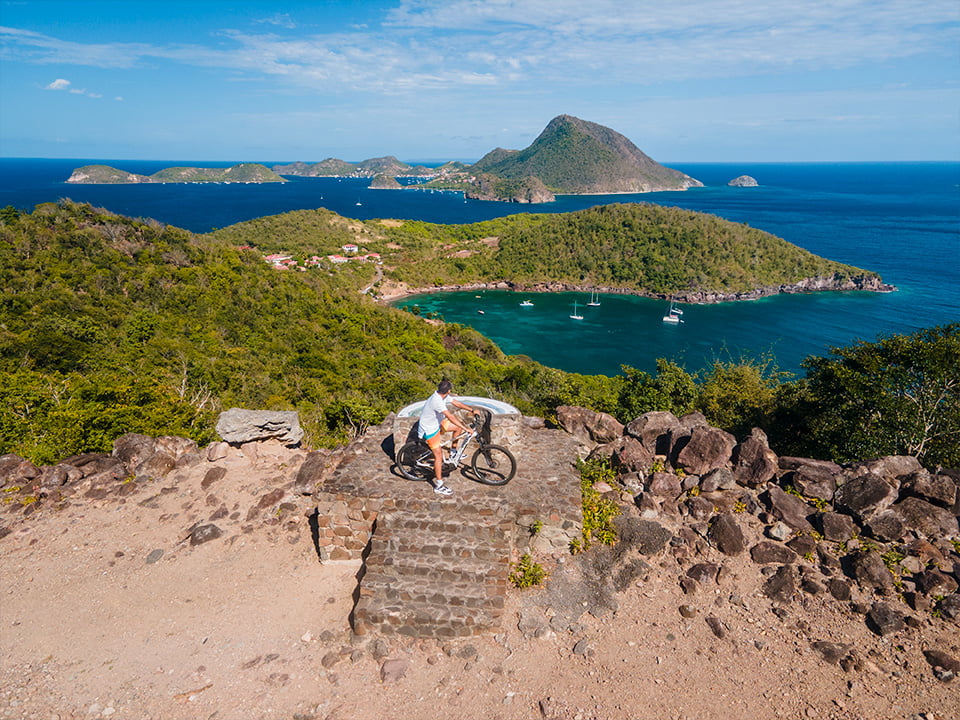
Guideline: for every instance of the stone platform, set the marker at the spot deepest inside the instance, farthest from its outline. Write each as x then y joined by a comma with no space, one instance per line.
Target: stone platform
438,566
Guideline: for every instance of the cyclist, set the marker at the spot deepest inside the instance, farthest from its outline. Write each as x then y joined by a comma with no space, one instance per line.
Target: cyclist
436,419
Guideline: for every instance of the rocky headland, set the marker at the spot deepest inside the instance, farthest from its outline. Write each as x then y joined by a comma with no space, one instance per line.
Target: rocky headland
393,291
166,580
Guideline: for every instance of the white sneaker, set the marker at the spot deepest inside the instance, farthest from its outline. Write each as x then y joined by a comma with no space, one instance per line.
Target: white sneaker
442,490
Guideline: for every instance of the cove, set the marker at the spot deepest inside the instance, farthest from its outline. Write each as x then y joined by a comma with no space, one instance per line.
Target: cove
629,330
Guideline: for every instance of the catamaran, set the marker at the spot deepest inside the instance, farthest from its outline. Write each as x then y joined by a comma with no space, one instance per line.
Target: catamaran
594,299
526,303
673,315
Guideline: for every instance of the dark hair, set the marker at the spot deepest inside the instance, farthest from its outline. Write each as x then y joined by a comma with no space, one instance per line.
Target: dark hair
444,387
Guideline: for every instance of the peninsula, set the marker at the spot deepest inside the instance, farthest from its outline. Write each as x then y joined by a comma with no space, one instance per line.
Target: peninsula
242,173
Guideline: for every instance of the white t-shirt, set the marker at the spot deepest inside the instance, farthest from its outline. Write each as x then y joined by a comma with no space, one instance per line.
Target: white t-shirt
432,414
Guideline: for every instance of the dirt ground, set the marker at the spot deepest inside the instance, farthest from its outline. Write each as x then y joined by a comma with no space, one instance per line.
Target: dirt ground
95,623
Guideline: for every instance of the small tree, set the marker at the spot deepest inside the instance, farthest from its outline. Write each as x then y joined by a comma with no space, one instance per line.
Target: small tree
900,395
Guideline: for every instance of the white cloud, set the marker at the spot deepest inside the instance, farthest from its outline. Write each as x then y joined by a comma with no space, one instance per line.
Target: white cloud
61,84
280,20
519,44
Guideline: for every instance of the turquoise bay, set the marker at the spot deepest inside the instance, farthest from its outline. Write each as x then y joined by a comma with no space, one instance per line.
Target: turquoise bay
629,330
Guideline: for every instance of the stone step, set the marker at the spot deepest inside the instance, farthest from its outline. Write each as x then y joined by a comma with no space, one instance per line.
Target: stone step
437,526
433,571
411,566
425,621
435,549
388,587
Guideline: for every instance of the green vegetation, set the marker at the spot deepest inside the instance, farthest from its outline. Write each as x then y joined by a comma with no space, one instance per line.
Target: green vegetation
598,512
643,248
111,325
242,173
526,573
897,396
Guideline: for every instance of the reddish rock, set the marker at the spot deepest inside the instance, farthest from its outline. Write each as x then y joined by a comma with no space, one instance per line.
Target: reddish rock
789,508
708,449
836,527
630,455
754,463
653,430
936,489
664,485
589,426
767,551
726,534
866,495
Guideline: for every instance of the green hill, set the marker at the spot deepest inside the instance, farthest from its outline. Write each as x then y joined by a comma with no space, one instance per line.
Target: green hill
576,156
244,172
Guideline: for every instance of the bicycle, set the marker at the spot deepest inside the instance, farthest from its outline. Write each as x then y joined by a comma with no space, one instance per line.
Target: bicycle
491,464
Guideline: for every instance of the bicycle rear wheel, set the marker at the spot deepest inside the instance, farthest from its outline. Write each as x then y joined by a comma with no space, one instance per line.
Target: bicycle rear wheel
493,465
415,461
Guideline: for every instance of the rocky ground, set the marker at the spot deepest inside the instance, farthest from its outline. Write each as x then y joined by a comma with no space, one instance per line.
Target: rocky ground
115,603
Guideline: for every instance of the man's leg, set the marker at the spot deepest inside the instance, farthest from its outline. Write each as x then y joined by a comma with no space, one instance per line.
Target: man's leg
437,466
435,446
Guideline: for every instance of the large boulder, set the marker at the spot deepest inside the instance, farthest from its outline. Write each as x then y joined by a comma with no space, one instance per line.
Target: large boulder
312,472
789,508
709,448
892,467
871,572
653,429
866,495
922,517
813,481
837,527
15,470
936,489
726,535
589,426
788,462
631,456
754,463
237,426
134,449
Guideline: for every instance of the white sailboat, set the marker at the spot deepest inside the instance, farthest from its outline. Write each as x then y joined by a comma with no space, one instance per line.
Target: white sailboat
594,299
526,303
673,315
576,315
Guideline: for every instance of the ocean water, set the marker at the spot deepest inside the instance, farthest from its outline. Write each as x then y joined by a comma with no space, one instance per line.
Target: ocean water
901,220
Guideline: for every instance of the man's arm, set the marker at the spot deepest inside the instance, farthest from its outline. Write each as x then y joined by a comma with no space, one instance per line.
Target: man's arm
457,403
455,420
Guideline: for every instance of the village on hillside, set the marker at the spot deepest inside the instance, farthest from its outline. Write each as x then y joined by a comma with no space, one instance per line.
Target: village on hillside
284,261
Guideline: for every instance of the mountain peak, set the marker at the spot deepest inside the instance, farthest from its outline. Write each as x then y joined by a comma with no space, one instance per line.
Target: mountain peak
572,155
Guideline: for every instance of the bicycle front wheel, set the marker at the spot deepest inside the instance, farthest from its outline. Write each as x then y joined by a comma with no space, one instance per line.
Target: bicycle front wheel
415,461
493,465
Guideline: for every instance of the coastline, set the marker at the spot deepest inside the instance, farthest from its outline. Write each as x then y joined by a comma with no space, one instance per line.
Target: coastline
394,292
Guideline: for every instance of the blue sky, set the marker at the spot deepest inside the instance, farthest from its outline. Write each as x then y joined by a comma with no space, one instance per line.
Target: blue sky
685,80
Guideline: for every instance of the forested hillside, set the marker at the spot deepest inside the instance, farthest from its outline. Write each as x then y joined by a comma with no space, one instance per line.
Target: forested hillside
111,325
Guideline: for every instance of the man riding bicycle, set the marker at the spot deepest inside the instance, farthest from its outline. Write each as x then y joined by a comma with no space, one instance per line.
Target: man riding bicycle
436,419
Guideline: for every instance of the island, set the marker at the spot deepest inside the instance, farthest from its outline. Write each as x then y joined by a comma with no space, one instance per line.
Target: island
242,173
743,181
383,181
571,156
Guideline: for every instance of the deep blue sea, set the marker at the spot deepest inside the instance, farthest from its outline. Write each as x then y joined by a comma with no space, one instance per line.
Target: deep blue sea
899,219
